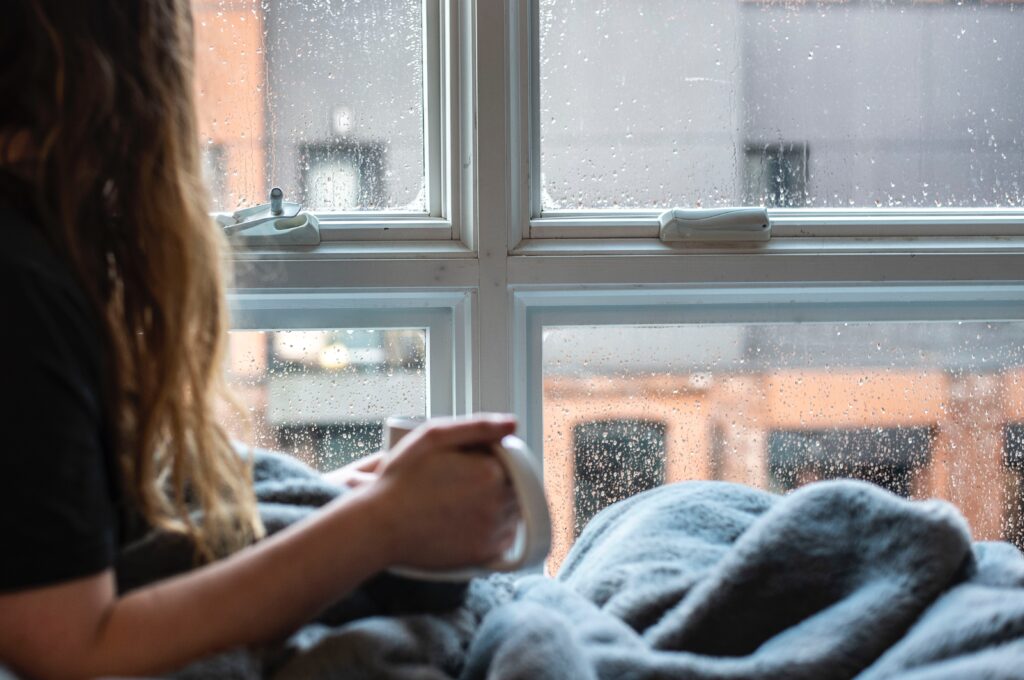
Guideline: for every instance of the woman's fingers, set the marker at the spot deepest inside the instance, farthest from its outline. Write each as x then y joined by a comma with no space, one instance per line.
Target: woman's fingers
453,508
369,463
477,431
512,509
358,479
355,474
505,537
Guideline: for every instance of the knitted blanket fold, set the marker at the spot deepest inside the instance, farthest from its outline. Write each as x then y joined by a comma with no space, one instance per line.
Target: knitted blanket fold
692,580
713,580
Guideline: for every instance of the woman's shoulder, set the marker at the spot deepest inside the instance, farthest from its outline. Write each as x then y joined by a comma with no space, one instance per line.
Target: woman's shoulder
38,288
26,256
50,327
57,492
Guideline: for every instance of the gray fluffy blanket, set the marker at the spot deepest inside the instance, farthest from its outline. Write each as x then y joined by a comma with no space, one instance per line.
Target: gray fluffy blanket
692,580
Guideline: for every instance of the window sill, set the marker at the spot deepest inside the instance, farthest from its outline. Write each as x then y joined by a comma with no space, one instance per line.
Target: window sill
779,245
637,263
380,265
801,222
345,250
383,227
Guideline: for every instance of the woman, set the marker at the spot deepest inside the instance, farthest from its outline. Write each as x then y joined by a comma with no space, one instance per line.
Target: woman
114,313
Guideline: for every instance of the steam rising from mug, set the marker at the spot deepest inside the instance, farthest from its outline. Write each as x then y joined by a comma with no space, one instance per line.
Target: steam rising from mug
533,536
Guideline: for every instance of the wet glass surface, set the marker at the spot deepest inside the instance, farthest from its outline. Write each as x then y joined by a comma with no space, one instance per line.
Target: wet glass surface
662,103
324,99
923,409
323,395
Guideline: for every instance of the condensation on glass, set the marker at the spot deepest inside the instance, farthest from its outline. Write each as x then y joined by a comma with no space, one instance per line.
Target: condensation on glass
324,99
923,409
323,395
661,103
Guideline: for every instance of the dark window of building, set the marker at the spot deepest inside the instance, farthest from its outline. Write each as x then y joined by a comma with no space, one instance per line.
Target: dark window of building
327,447
717,453
1013,457
776,175
615,459
888,457
343,176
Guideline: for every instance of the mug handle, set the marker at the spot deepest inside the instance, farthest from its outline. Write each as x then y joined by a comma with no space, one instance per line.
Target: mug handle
533,536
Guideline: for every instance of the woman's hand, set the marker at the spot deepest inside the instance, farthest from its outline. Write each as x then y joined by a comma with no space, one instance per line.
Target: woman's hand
446,500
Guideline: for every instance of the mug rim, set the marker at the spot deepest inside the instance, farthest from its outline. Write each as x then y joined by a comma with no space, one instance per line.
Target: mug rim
404,422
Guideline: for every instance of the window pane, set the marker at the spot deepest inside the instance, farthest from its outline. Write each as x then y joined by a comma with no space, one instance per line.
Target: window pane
324,394
660,103
324,99
924,409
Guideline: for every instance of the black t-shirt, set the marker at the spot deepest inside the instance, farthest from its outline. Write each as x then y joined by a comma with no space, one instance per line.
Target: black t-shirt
59,498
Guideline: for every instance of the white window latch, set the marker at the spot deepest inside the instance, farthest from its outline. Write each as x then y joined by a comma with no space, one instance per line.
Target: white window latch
715,225
277,223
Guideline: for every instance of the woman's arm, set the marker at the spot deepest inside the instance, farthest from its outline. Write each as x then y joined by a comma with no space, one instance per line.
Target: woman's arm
434,506
80,629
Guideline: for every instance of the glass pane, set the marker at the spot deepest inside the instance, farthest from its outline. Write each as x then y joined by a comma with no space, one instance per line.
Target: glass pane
323,395
661,103
924,409
324,99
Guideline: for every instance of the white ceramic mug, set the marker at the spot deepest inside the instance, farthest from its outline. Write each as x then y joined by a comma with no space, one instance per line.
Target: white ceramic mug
533,536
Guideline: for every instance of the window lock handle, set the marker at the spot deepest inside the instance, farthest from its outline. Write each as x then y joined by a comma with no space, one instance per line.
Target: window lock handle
277,202
715,225
278,222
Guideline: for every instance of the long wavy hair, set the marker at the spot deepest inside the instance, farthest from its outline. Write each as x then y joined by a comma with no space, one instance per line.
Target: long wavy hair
101,92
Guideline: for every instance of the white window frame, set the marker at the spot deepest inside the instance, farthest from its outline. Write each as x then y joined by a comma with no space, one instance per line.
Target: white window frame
641,227
442,149
704,304
443,317
504,256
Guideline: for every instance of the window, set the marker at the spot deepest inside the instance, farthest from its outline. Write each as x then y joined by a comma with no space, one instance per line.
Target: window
490,175
318,372
647,104
215,173
890,457
613,460
776,175
324,394
654,104
916,407
1014,459
348,72
344,176
339,104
